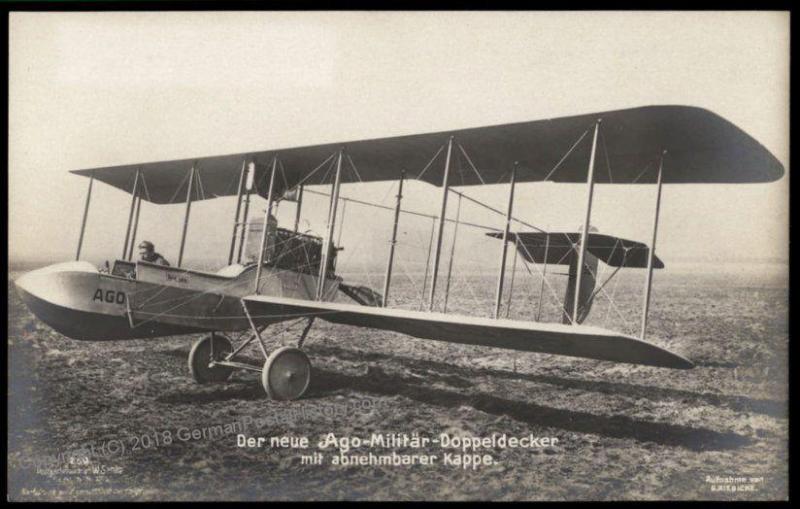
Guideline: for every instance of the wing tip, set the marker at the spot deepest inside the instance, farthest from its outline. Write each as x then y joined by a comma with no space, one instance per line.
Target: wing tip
669,359
682,362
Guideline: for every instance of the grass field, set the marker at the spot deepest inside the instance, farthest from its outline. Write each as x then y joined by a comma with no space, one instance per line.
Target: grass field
625,432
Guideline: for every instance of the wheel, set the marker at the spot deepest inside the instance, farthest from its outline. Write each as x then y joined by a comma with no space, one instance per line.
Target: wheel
200,357
286,374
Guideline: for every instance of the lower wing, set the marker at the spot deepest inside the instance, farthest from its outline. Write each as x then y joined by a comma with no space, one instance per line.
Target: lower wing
572,340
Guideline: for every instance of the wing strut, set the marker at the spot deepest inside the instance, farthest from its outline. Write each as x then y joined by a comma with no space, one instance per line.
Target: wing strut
249,187
298,208
544,275
85,215
326,245
440,231
504,252
265,230
236,225
427,264
651,253
388,278
452,255
587,218
513,274
135,222
186,215
130,214
341,224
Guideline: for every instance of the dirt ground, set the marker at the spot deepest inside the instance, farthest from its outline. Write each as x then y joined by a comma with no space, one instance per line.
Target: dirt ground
124,420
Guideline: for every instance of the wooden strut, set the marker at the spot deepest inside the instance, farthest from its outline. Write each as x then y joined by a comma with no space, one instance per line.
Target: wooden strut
242,177
331,226
241,347
85,216
544,275
186,216
129,311
265,228
427,264
341,224
130,214
244,225
306,330
298,208
255,329
504,249
651,254
393,243
513,275
440,230
585,228
452,256
135,226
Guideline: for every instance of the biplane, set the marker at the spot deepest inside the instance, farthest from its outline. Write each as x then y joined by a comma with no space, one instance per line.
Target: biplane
289,275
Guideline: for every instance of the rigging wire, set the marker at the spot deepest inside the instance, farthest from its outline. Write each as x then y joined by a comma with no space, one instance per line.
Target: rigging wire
144,183
201,191
558,164
547,283
410,212
471,164
605,151
178,189
419,176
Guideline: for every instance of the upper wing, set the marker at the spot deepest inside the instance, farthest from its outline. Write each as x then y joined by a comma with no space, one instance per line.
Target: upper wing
702,148
575,341
559,248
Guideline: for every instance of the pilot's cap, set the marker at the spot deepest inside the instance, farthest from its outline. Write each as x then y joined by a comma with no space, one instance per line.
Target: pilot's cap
146,244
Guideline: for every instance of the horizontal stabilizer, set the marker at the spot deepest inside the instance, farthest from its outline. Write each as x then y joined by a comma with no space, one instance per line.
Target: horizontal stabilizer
572,340
561,248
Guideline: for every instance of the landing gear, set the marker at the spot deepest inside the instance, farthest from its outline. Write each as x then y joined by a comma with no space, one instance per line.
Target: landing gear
286,374
204,357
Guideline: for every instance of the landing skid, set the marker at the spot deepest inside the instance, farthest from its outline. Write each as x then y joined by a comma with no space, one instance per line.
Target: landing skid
285,375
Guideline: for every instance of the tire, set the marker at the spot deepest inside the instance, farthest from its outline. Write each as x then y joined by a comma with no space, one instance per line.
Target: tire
286,374
200,356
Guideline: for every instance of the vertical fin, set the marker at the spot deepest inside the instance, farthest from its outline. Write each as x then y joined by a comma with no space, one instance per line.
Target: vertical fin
588,282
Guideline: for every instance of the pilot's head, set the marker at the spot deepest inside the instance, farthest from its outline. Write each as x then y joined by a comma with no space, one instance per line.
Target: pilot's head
146,250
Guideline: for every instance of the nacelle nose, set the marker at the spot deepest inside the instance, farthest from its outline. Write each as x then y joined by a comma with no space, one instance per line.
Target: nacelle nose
48,283
23,282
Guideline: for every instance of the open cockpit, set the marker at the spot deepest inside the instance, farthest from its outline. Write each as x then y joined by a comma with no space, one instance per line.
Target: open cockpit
285,250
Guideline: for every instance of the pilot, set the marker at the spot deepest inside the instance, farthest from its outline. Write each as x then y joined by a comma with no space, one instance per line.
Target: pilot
148,253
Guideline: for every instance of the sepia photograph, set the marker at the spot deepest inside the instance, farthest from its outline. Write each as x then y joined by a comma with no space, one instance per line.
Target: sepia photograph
398,255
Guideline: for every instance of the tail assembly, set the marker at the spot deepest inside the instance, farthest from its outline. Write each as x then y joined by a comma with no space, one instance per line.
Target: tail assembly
556,248
585,297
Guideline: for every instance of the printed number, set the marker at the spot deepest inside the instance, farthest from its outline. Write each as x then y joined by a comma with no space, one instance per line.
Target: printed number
147,442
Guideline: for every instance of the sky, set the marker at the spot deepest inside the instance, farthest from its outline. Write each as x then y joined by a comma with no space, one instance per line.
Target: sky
100,89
